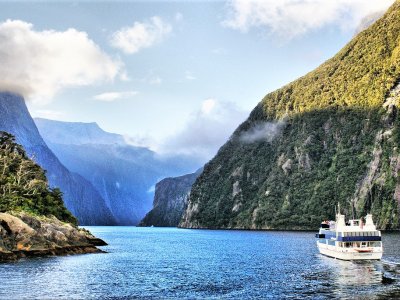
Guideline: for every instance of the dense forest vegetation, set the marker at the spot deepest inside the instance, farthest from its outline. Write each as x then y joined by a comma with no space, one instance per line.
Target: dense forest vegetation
337,141
23,184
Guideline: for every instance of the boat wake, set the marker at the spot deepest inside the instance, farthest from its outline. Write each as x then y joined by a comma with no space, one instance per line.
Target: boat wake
390,271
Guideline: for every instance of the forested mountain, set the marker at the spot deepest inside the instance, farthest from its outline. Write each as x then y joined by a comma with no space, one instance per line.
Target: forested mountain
331,136
24,186
80,197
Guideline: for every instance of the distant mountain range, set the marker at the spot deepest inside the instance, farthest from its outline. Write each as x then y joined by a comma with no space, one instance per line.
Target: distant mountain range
80,197
105,181
123,174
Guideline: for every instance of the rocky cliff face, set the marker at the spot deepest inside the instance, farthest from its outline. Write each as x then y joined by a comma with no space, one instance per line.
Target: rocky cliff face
123,174
170,201
80,197
330,136
23,235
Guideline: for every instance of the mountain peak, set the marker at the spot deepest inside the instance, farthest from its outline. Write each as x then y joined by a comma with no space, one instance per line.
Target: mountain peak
76,133
360,75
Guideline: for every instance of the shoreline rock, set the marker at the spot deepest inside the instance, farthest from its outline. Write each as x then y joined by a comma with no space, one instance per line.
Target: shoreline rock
24,235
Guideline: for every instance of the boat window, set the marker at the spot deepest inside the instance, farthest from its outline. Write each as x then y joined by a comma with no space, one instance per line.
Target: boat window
375,244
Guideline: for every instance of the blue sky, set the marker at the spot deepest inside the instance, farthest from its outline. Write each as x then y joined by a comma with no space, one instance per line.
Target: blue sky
177,76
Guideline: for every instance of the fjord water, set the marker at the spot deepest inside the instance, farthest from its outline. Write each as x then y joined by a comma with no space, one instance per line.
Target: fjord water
179,263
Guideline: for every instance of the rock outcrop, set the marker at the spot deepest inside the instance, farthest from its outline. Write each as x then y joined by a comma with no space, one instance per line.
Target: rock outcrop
170,201
24,235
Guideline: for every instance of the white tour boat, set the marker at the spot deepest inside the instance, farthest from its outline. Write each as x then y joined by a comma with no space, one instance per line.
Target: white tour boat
351,241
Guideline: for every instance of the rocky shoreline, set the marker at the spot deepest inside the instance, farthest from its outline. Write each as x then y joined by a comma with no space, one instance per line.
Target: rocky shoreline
24,235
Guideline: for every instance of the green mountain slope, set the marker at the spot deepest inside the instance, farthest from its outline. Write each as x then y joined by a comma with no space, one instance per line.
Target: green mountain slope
330,136
24,186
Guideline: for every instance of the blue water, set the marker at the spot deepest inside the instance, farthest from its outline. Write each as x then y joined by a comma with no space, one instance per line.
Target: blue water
160,263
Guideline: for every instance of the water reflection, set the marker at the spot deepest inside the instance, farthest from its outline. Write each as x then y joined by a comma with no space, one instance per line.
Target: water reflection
350,273
358,279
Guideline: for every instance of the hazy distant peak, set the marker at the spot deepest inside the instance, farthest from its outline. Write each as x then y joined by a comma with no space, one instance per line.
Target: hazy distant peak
91,125
76,133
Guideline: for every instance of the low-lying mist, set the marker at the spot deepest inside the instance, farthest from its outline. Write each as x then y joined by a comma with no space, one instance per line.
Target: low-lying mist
265,131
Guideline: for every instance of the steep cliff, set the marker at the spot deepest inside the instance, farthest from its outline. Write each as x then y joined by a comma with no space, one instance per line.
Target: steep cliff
330,136
170,201
80,197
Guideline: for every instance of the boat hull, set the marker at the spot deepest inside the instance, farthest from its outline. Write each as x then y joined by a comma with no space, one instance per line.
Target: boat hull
349,254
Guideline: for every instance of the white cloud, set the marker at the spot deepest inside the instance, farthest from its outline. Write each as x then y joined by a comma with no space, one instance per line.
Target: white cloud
48,114
37,64
142,140
189,76
218,51
152,78
141,35
208,105
264,131
112,96
292,18
178,17
155,80
206,130
123,76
